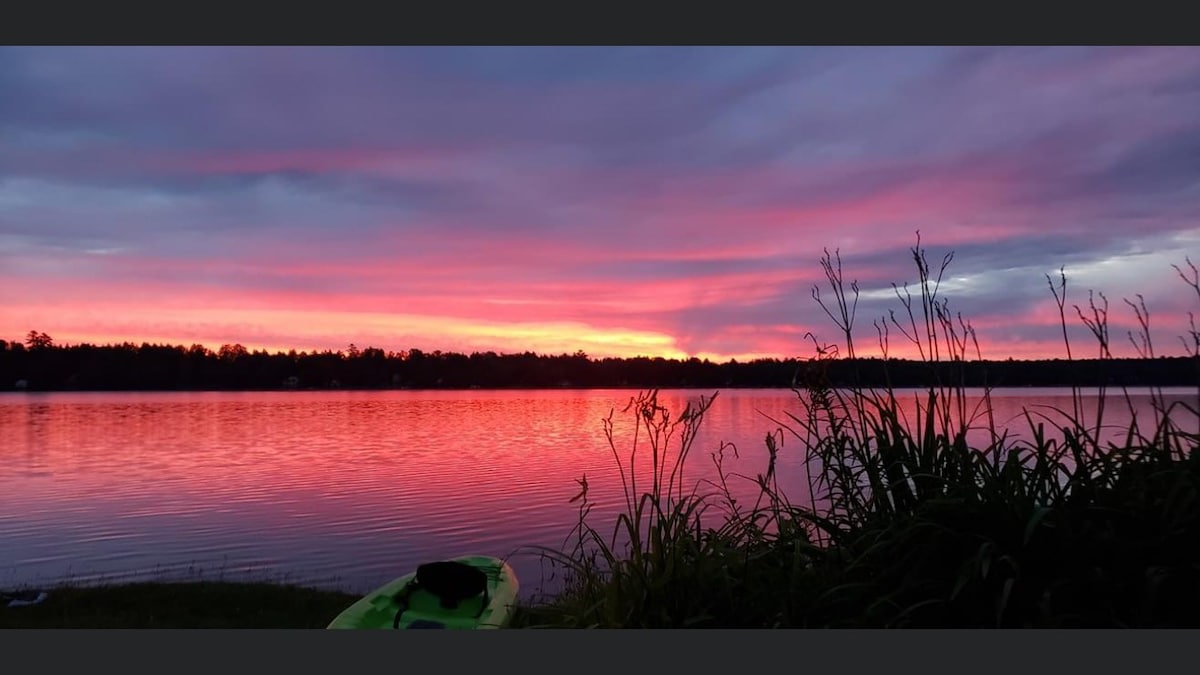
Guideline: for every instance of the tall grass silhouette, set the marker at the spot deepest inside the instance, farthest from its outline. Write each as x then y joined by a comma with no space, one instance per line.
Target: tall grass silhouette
921,511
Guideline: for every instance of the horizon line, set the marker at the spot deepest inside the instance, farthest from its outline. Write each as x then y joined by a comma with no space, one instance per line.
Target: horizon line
403,353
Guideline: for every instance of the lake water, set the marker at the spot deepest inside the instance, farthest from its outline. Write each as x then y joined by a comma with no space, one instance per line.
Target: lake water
347,489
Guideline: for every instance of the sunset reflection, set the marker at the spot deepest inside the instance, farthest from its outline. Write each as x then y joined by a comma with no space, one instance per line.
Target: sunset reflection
353,485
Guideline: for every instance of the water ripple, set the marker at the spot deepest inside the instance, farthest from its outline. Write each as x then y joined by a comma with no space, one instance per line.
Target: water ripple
339,489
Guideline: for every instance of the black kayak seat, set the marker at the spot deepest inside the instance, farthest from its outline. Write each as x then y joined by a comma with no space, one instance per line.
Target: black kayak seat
448,580
451,581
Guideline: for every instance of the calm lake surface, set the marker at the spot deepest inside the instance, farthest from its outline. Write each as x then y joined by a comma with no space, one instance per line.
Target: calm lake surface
349,489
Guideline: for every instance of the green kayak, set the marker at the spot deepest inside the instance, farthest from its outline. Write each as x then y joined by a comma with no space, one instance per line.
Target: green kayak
467,593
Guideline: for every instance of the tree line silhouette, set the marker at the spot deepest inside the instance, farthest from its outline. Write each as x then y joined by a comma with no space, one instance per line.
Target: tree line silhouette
40,365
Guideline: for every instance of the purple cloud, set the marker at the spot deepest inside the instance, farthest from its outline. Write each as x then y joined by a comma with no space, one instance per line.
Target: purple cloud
565,179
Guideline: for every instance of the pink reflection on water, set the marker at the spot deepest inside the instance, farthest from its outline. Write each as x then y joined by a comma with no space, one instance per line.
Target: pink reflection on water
343,489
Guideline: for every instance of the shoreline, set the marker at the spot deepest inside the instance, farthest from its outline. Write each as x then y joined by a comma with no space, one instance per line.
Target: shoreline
178,604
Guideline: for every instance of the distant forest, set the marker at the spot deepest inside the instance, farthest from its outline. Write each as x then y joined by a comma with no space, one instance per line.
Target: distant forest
37,364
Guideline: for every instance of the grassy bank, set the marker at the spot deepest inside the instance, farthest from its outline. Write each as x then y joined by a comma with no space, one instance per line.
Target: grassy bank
906,523
196,604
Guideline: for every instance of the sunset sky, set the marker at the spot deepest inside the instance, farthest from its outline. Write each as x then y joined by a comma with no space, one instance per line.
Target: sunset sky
661,201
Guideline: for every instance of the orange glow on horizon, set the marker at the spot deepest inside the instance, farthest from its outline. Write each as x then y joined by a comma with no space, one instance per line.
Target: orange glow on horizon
316,330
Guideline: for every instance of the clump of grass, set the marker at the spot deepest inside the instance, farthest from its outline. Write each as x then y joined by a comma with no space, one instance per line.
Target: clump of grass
908,522
176,596
191,604
661,566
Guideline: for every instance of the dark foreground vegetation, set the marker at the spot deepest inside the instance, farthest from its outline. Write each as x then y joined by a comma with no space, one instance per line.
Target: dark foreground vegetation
908,524
196,604
38,364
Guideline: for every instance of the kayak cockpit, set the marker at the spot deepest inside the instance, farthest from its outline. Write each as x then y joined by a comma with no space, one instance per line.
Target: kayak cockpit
474,592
